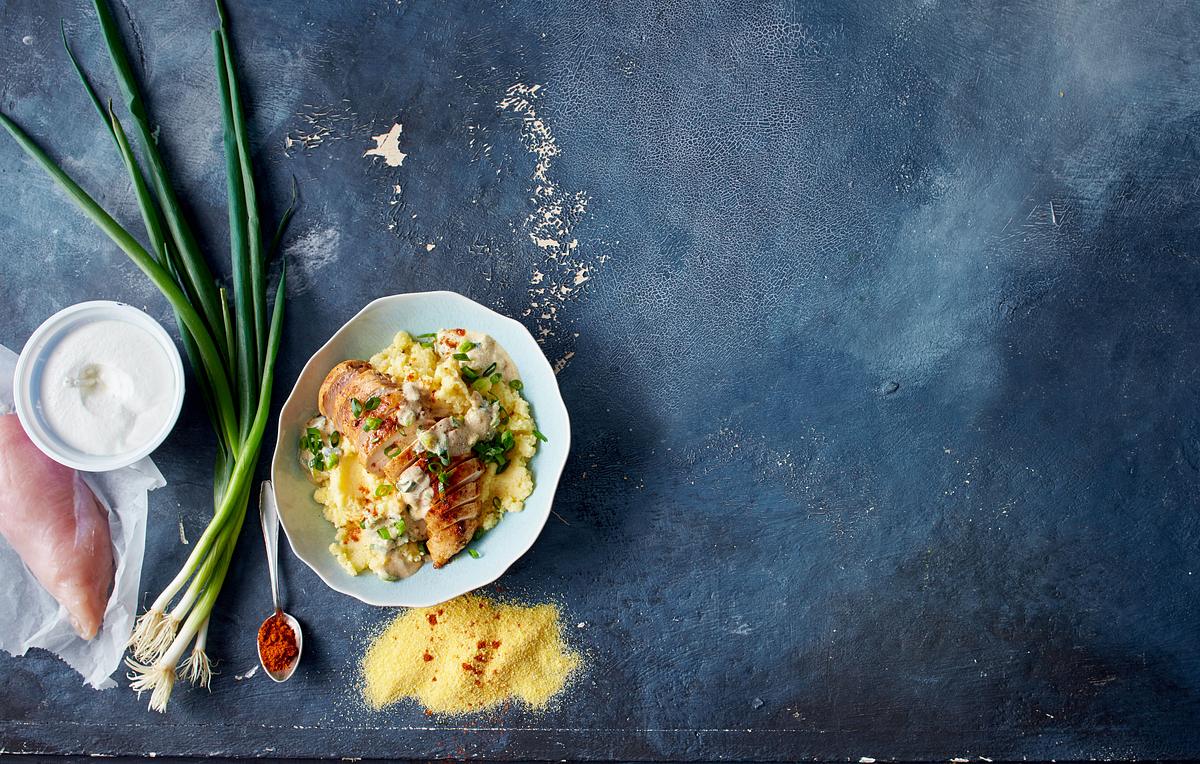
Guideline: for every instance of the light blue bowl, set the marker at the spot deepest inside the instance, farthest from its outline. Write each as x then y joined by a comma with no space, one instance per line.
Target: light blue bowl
310,534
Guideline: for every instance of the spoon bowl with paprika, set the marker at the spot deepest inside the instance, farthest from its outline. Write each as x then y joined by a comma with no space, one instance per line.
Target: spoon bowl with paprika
280,640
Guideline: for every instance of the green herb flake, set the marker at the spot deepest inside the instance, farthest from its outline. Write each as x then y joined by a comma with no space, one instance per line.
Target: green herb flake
425,336
516,384
538,434
474,553
318,463
372,403
371,423
481,384
489,370
461,357
428,344
335,439
496,502
383,534
383,490
496,379
400,528
392,451
356,407
466,346
332,460
362,523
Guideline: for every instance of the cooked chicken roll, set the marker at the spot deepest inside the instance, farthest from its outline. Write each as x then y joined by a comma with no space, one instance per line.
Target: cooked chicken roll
366,407
456,514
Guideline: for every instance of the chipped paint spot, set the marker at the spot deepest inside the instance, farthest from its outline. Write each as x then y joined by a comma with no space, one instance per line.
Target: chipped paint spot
387,147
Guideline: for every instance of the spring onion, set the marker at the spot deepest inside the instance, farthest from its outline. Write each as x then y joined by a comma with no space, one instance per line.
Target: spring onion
232,349
383,490
392,451
372,403
383,534
461,357
538,434
516,384
371,423
356,407
474,553
467,346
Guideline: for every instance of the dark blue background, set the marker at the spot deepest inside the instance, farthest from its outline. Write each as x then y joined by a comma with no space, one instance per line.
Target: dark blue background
884,384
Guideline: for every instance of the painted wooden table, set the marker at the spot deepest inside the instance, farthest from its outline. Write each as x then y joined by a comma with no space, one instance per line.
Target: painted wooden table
877,323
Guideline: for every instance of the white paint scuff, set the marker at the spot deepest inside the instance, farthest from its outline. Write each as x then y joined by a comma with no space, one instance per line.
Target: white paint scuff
562,270
387,146
308,255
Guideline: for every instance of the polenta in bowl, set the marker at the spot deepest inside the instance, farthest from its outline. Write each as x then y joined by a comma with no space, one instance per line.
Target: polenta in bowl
419,450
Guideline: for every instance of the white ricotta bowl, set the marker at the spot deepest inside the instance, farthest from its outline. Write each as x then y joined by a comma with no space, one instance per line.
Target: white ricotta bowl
364,335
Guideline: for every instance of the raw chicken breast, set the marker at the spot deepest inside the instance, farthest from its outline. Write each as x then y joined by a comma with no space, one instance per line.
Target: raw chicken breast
54,522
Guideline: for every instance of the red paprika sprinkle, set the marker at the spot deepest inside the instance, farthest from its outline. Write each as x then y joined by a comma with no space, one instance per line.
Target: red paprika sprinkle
277,644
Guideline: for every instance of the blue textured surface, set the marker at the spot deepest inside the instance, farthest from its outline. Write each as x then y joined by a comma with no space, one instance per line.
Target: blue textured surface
884,382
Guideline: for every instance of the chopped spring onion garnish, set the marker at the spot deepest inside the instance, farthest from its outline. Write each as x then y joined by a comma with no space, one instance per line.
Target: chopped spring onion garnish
489,370
423,548
444,458
318,463
332,460
494,451
425,336
427,344
461,357
496,502
362,523
372,403
496,378
538,434
383,490
468,373
383,534
392,451
400,528
474,553
481,384
516,384
371,423
466,346
335,439
356,407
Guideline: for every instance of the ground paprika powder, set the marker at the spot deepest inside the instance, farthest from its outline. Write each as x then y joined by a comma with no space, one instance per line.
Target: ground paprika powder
277,644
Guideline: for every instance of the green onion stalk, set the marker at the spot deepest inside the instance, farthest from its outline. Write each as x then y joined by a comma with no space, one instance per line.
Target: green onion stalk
231,347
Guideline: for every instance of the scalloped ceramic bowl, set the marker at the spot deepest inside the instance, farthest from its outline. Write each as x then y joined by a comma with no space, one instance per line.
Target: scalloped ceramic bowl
310,534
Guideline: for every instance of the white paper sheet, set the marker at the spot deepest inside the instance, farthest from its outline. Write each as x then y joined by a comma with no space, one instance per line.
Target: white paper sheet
32,618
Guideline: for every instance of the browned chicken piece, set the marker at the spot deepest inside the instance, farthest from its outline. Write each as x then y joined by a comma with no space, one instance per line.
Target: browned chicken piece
456,514
358,380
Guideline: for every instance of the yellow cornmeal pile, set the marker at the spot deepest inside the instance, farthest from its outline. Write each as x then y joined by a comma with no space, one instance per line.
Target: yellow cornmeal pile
469,654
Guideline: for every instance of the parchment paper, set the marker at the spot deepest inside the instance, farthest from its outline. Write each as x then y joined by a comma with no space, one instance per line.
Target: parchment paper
32,618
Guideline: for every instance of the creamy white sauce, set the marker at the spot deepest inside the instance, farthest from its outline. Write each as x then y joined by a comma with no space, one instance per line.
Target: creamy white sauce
484,353
108,387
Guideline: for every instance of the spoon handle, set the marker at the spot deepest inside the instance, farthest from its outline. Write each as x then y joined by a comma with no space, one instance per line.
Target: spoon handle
269,515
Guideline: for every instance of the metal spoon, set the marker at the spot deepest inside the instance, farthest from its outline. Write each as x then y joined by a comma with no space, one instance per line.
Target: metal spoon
268,513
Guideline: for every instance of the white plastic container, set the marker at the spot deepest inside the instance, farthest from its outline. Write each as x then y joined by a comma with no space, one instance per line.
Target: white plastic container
28,384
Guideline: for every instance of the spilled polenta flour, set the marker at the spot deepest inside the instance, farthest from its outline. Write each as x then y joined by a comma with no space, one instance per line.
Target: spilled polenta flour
563,269
469,654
